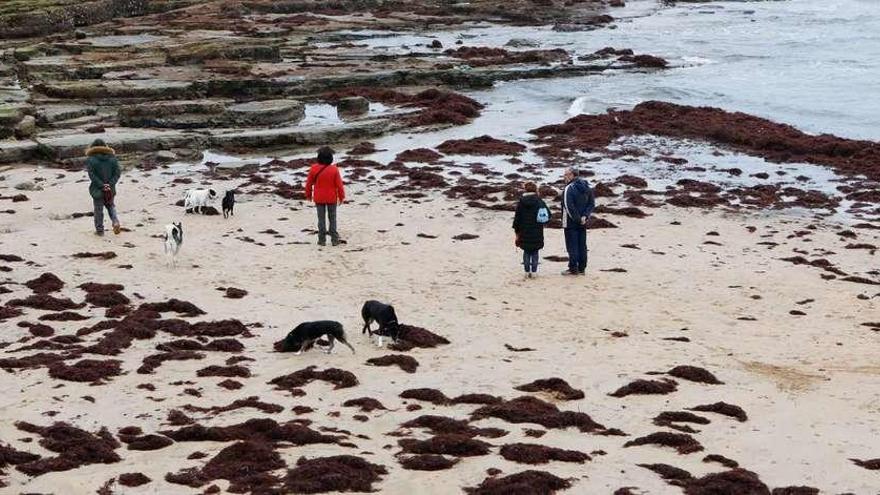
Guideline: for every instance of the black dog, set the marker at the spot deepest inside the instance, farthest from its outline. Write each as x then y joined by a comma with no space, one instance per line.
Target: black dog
303,337
228,204
384,315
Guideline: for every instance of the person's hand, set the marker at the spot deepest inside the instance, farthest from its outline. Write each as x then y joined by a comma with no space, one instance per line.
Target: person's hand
339,202
583,220
106,186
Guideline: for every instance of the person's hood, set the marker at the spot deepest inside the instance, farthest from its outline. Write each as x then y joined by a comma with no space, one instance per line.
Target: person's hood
530,199
100,150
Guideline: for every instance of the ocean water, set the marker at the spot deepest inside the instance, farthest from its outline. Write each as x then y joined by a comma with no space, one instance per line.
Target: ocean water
814,64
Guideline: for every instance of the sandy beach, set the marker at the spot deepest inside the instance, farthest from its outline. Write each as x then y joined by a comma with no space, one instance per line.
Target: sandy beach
807,383
723,340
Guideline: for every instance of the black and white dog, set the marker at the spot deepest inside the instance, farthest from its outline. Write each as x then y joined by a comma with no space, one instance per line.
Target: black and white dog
384,315
228,204
198,199
173,241
303,337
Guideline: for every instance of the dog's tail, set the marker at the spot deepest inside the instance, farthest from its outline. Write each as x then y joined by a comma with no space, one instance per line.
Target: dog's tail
342,339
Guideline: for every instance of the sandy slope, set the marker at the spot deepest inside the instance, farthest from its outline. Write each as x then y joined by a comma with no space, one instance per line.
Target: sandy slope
808,383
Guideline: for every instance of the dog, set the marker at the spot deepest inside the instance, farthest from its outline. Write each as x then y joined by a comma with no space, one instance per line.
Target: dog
197,199
228,204
384,315
173,241
303,337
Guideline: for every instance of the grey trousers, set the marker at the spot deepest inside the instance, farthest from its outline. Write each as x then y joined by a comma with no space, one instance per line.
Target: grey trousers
325,211
99,214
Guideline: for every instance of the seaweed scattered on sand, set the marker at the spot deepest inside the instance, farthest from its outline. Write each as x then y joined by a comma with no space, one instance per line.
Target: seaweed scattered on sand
341,473
723,408
683,443
557,387
694,374
427,462
530,453
404,362
646,387
527,482
445,444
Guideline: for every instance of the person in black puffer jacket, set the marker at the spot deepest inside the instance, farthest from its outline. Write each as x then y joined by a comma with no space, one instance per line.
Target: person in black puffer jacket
529,230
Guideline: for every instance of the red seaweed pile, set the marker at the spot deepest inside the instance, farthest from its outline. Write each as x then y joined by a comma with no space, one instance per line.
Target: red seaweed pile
341,473
557,387
404,362
527,482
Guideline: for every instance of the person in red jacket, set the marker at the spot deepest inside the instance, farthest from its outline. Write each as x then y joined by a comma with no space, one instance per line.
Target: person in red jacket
324,186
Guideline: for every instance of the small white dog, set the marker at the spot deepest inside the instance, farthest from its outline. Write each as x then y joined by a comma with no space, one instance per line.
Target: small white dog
196,199
173,241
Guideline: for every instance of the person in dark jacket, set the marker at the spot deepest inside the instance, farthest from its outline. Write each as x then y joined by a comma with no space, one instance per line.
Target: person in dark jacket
104,172
529,230
324,186
578,202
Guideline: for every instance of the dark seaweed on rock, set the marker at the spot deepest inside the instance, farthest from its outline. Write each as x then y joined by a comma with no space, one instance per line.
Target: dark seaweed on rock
694,374
684,444
555,386
735,481
723,408
646,387
341,473
530,453
366,404
75,448
445,444
427,462
521,349
411,337
524,483
404,362
339,378
532,410
45,283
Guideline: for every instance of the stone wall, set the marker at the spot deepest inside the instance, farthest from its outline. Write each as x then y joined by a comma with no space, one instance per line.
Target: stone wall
57,19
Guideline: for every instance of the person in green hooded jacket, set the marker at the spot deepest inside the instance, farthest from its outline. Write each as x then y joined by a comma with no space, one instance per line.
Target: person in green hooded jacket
103,169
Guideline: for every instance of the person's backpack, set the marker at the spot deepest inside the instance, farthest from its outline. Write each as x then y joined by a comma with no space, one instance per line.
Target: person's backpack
543,214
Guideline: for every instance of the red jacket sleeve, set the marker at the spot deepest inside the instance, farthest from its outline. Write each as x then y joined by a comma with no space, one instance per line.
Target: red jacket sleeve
310,183
340,188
